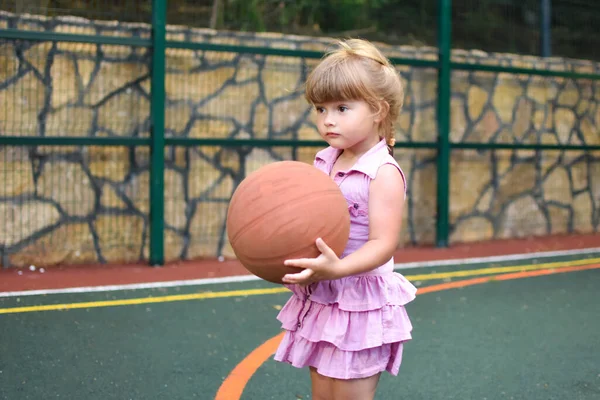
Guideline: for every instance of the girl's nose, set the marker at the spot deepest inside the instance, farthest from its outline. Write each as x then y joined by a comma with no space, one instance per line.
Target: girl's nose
329,121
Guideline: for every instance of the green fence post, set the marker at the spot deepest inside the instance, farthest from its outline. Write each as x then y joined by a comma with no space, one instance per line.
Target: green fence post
157,116
443,117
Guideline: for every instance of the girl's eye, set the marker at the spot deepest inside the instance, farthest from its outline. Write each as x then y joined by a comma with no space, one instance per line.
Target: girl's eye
343,108
319,110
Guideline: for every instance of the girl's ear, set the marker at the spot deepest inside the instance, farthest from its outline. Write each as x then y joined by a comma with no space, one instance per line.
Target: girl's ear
382,112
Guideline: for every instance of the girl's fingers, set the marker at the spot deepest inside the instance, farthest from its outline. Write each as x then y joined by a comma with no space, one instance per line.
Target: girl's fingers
299,262
300,277
310,262
324,249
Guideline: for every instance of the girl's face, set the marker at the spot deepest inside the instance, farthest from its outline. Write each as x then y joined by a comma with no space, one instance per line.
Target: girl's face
348,124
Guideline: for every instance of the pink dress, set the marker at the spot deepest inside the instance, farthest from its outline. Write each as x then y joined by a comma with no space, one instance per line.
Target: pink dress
352,327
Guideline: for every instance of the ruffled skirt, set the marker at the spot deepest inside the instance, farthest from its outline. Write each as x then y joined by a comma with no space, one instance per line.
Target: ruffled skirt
347,328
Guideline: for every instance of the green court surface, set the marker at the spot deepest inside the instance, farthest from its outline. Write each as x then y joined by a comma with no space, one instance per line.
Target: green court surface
533,334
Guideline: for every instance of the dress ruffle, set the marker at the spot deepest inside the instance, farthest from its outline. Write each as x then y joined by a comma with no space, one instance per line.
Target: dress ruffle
348,328
335,363
361,292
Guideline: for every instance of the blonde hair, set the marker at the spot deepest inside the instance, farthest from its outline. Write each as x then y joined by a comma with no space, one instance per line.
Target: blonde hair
356,70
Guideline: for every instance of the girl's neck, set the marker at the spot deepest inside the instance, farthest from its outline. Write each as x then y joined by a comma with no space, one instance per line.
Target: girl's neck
355,152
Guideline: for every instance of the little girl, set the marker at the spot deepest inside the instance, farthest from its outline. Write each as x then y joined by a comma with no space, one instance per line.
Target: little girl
346,319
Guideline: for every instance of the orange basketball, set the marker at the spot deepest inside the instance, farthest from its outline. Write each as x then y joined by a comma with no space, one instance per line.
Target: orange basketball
279,211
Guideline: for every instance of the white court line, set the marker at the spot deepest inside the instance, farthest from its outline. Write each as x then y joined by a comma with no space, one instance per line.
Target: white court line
247,278
133,286
508,257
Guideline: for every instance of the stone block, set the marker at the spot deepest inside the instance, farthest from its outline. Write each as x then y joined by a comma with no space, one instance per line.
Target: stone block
70,121
485,201
423,186
424,86
120,237
9,63
110,77
234,102
23,221
568,96
485,129
557,187
458,121
521,218
519,180
594,179
589,131
177,119
472,230
108,162
175,208
137,190
182,61
16,168
564,122
470,174
37,56
206,228
110,198
506,93
174,246
22,102
424,128
65,81
560,219
261,127
289,113
212,128
67,244
583,210
197,85
477,99
125,113
203,175
67,184
523,118
282,80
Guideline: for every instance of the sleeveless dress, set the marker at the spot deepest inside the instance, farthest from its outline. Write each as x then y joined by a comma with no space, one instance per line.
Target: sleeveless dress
352,327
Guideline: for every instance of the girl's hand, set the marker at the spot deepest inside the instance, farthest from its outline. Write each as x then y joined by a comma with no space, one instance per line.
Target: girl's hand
323,267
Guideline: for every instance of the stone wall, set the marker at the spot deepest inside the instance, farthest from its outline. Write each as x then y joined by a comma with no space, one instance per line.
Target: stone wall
90,204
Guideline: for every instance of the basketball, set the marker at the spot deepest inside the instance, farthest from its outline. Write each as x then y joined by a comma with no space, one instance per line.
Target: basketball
279,211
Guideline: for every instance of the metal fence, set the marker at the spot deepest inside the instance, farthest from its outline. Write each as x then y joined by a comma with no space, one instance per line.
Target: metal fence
162,148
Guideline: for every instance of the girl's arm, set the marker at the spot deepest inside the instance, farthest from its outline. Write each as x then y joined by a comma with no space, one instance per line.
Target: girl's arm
386,204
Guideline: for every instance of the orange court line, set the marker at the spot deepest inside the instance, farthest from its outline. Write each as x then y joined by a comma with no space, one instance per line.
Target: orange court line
233,386
236,381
